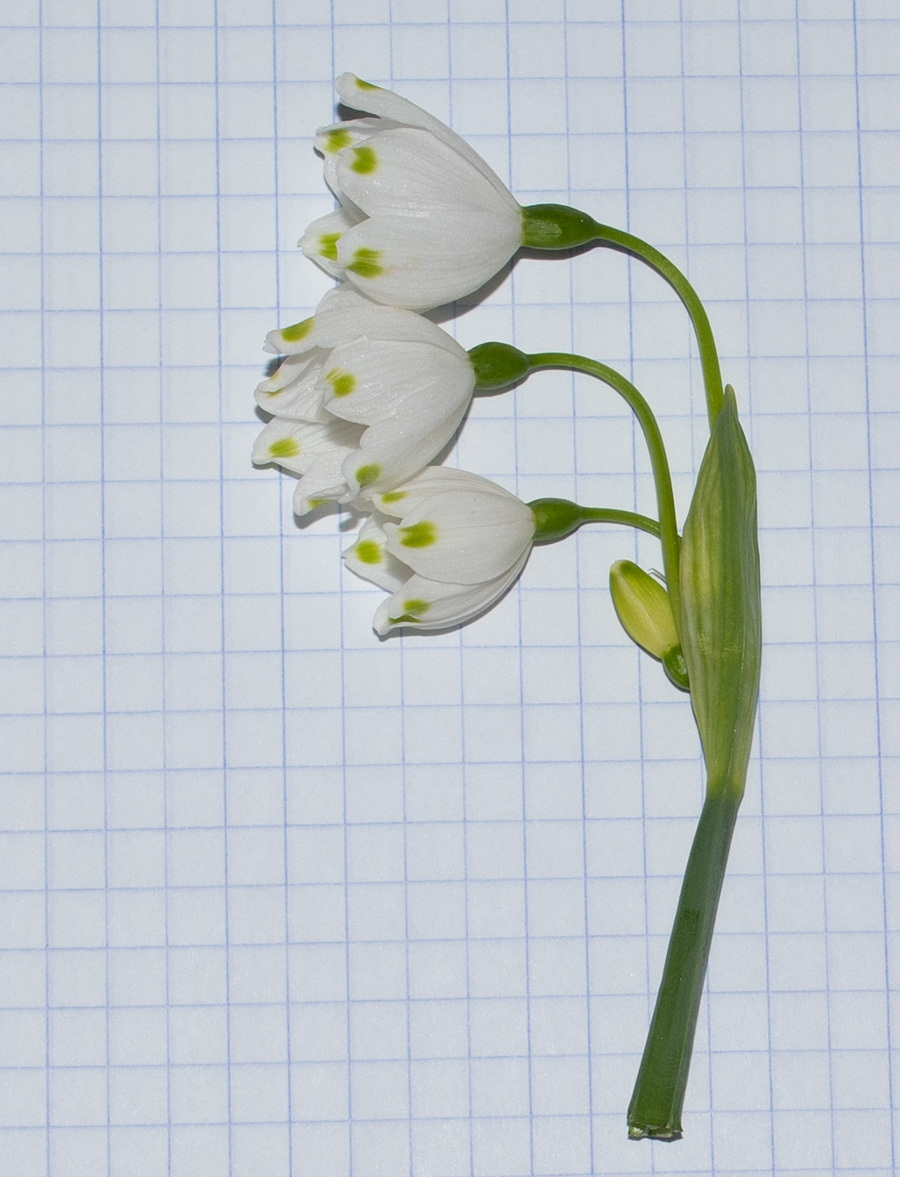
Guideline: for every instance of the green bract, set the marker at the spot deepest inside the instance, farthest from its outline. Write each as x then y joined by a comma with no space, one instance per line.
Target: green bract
721,611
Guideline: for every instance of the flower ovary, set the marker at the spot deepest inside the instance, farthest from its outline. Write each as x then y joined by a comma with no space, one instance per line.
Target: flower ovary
556,226
498,365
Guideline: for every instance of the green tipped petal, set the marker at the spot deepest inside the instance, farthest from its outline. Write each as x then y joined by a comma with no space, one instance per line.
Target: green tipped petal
365,161
328,246
420,535
336,139
412,611
365,263
285,447
366,475
297,331
342,383
369,552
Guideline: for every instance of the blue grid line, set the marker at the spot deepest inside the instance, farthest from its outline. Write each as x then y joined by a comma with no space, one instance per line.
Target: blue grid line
114,709
875,611
759,726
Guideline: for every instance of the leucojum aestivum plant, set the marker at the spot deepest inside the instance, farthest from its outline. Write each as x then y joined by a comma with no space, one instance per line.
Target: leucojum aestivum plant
369,392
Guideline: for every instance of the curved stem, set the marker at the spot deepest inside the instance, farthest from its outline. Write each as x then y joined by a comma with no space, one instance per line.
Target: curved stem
626,518
669,538
709,357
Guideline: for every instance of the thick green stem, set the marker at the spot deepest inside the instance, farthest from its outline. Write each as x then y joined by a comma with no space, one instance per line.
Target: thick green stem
655,1108
669,539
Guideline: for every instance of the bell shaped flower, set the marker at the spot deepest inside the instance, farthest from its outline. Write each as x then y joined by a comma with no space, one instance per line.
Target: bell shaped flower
366,397
422,220
446,545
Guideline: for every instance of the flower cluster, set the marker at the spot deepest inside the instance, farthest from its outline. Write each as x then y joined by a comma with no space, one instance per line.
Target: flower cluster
366,397
369,392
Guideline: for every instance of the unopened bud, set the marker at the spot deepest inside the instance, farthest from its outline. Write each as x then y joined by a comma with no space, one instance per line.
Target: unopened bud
645,611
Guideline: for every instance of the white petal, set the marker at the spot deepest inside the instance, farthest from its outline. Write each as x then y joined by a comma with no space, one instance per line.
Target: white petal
405,498
370,559
349,315
387,105
294,340
388,455
410,171
386,374
425,604
330,141
319,242
299,401
462,536
294,390
411,395
424,262
288,371
321,484
296,445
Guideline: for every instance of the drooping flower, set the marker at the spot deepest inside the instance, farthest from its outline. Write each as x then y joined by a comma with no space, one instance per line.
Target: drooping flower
422,219
458,543
367,396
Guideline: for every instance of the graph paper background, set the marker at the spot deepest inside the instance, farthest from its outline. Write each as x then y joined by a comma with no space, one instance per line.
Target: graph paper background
279,898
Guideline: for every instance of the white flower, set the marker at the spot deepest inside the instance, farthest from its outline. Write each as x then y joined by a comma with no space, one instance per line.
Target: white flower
367,397
459,544
423,219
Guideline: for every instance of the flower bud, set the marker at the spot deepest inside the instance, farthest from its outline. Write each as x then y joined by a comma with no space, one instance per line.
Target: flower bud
645,611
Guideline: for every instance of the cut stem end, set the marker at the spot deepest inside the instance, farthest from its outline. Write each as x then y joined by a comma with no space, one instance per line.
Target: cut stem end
665,1132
